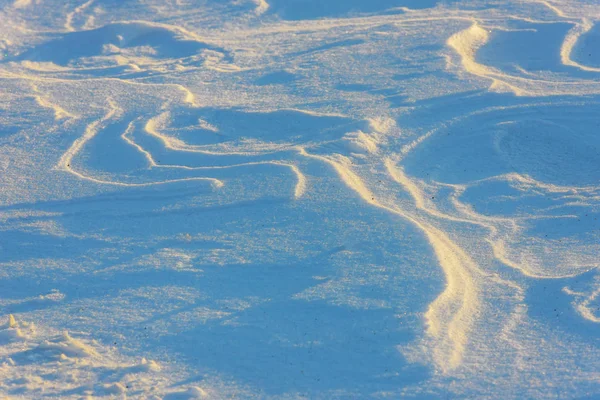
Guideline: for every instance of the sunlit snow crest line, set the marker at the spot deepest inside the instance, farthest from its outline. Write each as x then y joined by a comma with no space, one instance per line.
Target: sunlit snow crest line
301,185
131,142
585,308
460,297
416,193
450,317
496,243
175,144
570,42
301,181
91,131
466,43
190,98
59,112
69,20
554,9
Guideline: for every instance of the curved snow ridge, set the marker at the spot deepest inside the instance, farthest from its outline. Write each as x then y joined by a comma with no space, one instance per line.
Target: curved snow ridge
40,359
238,138
491,253
239,132
451,316
462,305
301,180
78,10
571,42
59,112
92,129
502,229
473,287
66,160
525,180
468,42
174,148
175,145
571,9
586,304
551,6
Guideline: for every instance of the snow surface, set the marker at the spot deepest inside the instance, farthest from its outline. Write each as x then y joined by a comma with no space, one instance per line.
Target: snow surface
287,199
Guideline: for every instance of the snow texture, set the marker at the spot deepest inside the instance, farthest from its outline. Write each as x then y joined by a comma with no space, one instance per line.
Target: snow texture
289,199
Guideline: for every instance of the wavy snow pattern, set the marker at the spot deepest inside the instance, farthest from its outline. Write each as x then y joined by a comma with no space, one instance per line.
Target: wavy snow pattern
360,199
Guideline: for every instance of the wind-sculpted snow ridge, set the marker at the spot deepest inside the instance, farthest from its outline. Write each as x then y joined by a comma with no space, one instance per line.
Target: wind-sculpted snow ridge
526,79
123,49
299,199
522,56
160,41
581,39
517,197
39,362
232,141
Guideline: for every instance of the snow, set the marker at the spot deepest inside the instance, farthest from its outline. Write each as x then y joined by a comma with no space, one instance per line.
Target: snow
286,199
